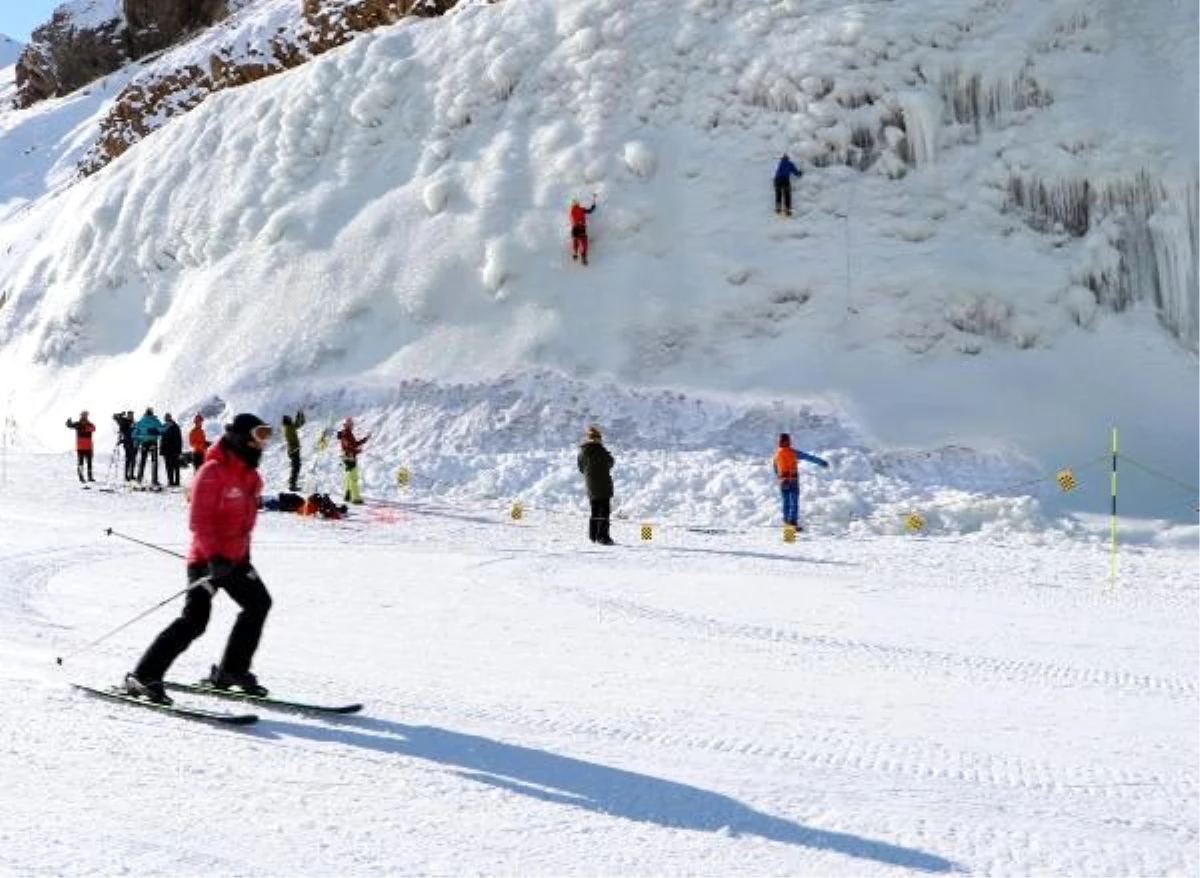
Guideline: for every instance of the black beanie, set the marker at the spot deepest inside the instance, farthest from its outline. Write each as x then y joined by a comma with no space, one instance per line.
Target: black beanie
243,425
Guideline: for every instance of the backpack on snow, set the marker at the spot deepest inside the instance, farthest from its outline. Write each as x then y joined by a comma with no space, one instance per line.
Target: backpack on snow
289,502
323,505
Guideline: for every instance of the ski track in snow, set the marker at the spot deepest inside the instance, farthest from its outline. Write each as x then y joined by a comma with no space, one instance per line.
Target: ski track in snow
711,704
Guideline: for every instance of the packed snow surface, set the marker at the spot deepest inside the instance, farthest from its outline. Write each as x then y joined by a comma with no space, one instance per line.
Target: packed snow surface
982,314
702,703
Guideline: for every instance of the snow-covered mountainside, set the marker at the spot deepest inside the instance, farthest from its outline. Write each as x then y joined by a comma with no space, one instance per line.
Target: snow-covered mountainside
994,246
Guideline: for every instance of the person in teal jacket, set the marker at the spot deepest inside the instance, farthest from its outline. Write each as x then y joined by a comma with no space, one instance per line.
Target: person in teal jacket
145,436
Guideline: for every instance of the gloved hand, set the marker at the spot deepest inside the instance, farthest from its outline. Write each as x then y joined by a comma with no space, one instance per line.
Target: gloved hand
824,464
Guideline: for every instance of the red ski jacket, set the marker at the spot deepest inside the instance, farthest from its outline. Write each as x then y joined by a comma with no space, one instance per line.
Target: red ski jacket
578,215
225,496
197,440
83,433
350,444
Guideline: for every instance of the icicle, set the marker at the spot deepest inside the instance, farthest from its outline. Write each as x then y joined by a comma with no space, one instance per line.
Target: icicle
1173,230
921,120
1140,239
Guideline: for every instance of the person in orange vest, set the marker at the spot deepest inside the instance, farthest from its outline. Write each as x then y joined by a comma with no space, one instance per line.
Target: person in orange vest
786,464
579,235
197,441
83,445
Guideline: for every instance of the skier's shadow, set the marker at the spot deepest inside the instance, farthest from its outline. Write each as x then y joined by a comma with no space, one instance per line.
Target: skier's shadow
599,788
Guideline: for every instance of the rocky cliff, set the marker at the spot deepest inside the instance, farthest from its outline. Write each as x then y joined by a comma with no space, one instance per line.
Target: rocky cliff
87,39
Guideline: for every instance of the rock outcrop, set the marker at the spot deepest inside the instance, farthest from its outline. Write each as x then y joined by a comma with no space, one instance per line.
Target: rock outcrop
148,101
65,54
157,24
62,56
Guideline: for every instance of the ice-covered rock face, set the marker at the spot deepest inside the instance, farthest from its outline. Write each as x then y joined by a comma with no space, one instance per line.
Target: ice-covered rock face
156,24
86,39
82,41
282,36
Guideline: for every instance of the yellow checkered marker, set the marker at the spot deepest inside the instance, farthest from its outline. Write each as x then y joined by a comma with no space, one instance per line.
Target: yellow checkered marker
914,522
402,477
517,511
647,532
1066,480
789,533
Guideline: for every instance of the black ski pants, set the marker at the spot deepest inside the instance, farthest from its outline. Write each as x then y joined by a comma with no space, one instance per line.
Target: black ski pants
130,459
171,465
783,195
246,590
149,449
294,473
598,524
84,462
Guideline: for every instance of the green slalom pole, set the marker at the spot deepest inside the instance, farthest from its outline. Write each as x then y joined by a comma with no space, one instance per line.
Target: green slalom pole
1113,527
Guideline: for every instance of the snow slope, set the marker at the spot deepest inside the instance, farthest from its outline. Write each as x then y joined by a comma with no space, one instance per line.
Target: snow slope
702,703
382,231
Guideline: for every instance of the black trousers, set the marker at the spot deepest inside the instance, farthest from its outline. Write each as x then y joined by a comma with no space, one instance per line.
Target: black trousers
130,460
171,465
598,524
151,451
783,195
246,590
294,473
84,459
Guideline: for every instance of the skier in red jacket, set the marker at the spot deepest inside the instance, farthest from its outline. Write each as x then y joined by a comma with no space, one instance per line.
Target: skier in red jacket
224,507
579,235
83,445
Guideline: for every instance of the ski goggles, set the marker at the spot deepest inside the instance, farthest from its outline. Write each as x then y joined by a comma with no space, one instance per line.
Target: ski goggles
261,435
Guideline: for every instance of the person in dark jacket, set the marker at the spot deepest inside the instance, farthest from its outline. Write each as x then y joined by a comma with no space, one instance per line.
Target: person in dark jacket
596,464
125,431
83,445
784,172
291,436
786,465
170,446
224,507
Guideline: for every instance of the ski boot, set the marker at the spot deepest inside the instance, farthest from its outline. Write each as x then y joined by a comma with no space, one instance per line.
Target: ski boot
246,682
152,691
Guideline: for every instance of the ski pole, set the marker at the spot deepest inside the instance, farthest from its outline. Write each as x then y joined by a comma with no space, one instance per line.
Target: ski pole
113,533
139,616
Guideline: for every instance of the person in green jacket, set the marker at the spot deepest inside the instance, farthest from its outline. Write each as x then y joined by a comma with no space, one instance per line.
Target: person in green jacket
596,464
291,436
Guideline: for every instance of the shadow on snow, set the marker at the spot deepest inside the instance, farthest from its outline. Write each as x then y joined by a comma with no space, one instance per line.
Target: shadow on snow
599,788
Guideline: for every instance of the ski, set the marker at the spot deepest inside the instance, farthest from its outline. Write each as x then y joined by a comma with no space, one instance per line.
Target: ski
180,710
262,700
